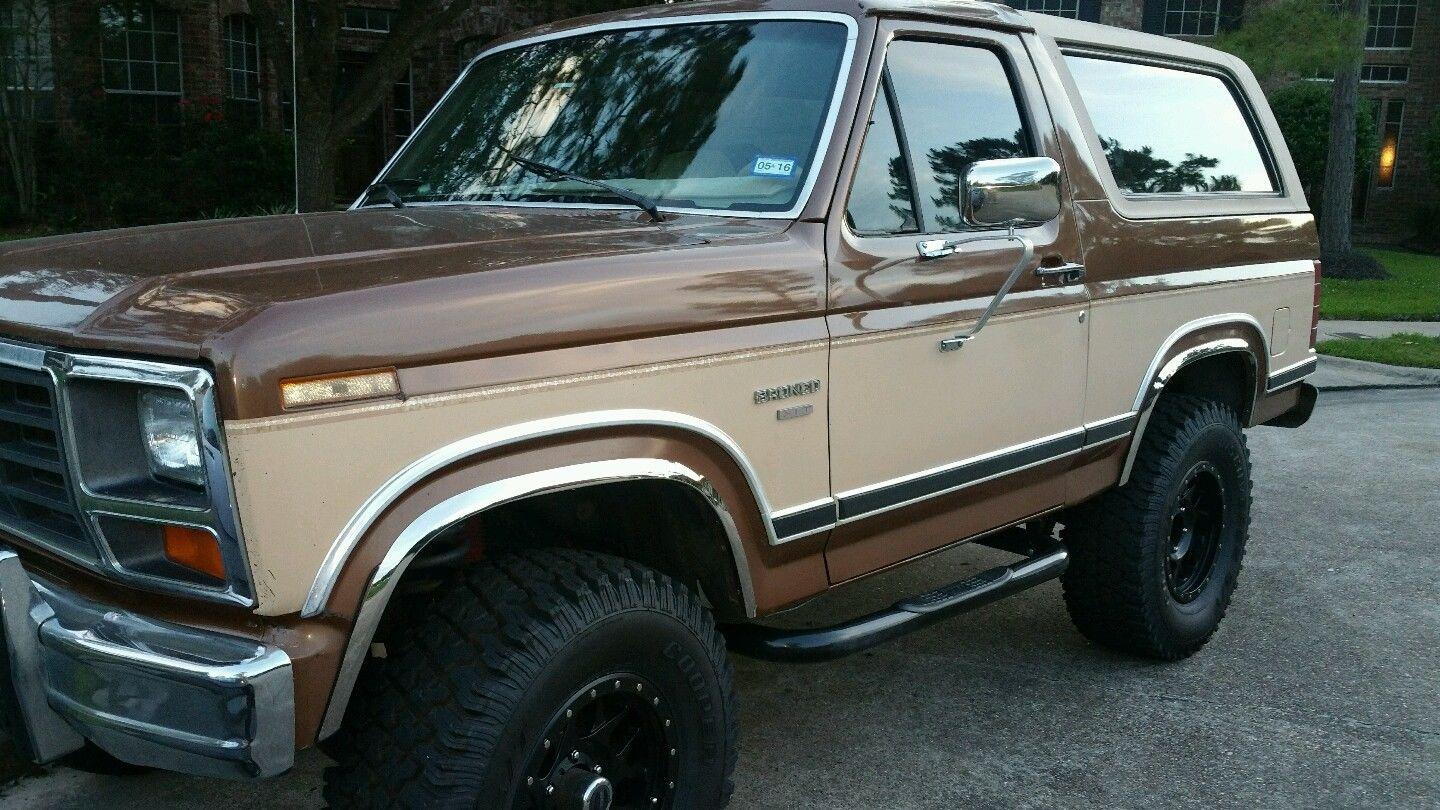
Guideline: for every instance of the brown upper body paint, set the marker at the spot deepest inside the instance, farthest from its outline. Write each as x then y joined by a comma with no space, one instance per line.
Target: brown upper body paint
465,300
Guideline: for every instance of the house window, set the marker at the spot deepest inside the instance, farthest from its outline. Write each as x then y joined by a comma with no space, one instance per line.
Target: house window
1394,113
25,56
1074,9
140,60
241,43
1192,18
1392,24
373,20
1385,74
403,107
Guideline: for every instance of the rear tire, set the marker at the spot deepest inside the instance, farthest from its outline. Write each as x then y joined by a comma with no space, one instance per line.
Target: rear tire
1154,563
488,689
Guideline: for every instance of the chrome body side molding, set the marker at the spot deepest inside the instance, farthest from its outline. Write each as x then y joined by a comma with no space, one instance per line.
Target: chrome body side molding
403,481
418,534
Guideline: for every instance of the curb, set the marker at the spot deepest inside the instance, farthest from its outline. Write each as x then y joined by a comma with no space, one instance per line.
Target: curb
1399,377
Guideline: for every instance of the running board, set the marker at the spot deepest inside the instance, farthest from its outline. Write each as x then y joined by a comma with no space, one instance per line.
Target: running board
907,615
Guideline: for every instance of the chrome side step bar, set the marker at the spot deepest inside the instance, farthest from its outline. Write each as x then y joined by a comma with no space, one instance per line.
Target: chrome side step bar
907,615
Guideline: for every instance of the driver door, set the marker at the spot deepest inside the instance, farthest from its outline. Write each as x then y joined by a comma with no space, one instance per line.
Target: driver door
931,446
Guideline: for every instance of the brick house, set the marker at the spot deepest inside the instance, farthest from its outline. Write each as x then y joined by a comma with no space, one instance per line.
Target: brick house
148,55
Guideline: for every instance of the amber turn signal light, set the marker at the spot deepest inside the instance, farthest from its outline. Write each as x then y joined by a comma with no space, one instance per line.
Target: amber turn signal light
349,386
195,549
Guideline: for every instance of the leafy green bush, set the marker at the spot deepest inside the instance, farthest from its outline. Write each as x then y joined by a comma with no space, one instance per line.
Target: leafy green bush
111,172
1303,110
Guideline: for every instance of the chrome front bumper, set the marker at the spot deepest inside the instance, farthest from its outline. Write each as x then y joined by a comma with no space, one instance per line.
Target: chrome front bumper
145,691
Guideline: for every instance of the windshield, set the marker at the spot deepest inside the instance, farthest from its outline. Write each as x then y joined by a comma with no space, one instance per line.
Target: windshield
724,116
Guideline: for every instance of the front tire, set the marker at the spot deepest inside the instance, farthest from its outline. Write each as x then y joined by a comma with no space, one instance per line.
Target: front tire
1154,563
528,681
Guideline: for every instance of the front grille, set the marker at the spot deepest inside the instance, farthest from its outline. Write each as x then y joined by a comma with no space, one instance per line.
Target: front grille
35,499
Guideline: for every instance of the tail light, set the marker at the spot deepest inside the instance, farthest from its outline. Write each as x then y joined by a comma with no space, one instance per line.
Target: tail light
1315,309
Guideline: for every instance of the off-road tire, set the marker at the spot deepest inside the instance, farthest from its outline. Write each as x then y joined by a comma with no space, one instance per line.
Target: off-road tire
471,681
1116,585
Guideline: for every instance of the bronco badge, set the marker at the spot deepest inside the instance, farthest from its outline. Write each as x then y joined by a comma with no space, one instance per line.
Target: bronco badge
800,389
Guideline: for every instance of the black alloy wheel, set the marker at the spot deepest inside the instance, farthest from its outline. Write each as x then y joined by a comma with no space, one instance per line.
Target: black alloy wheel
613,746
1197,529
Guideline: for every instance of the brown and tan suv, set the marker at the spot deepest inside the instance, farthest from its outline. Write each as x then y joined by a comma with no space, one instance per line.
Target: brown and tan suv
663,322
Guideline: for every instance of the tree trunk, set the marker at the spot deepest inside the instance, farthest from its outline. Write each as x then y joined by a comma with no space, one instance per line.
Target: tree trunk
1338,196
315,155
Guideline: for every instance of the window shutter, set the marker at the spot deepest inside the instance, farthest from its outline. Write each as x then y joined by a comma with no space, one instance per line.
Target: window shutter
1232,13
1090,10
1154,20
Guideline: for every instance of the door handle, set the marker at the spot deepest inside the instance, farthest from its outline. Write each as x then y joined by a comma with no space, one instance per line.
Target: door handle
1067,273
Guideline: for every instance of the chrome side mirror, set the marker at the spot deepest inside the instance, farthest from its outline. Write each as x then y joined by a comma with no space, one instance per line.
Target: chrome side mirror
1014,191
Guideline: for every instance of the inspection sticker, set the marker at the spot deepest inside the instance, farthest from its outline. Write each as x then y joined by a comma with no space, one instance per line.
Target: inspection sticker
774,166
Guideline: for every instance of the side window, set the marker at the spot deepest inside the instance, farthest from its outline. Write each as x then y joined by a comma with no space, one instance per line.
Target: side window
881,197
955,105
941,108
1170,131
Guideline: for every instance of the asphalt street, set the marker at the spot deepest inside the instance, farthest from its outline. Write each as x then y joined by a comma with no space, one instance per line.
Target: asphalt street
1322,688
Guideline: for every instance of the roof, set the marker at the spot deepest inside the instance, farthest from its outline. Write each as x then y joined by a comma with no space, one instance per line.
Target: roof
971,12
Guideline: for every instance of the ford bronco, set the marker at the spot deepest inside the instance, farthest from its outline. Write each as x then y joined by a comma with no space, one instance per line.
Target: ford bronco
663,321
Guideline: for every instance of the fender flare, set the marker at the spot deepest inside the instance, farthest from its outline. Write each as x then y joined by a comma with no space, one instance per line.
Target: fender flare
1167,363
418,534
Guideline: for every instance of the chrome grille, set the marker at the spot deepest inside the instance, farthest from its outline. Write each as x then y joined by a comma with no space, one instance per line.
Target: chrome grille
35,496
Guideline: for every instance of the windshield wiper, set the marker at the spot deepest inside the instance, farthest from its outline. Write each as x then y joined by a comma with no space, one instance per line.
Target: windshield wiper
386,188
549,172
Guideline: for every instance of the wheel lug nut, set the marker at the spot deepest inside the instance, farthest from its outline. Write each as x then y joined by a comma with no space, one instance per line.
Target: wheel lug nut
547,745
549,788
569,712
597,769
672,752
617,684
655,702
529,780
574,754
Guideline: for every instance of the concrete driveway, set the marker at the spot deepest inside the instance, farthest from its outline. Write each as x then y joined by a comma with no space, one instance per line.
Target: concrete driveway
1322,688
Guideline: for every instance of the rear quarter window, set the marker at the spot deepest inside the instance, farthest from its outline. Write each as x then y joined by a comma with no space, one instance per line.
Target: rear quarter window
1170,131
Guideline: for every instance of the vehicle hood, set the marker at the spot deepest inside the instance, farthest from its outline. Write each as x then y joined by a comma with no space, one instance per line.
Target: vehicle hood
335,290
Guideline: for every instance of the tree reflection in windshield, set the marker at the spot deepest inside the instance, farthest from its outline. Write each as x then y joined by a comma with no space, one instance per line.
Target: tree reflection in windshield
716,115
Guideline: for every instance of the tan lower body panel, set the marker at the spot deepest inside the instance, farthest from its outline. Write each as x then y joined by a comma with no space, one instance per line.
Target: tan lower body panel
300,478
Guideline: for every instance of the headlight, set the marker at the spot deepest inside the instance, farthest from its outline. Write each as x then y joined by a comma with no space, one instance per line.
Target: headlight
171,435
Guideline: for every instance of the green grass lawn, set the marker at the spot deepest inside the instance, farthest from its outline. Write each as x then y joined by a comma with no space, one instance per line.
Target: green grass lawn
1404,349
1412,293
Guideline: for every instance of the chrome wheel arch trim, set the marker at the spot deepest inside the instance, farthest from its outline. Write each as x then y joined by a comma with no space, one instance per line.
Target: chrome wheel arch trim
1152,383
1151,393
418,534
403,481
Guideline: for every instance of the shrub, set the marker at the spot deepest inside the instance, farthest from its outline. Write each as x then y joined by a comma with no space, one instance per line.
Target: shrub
111,172
1303,111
